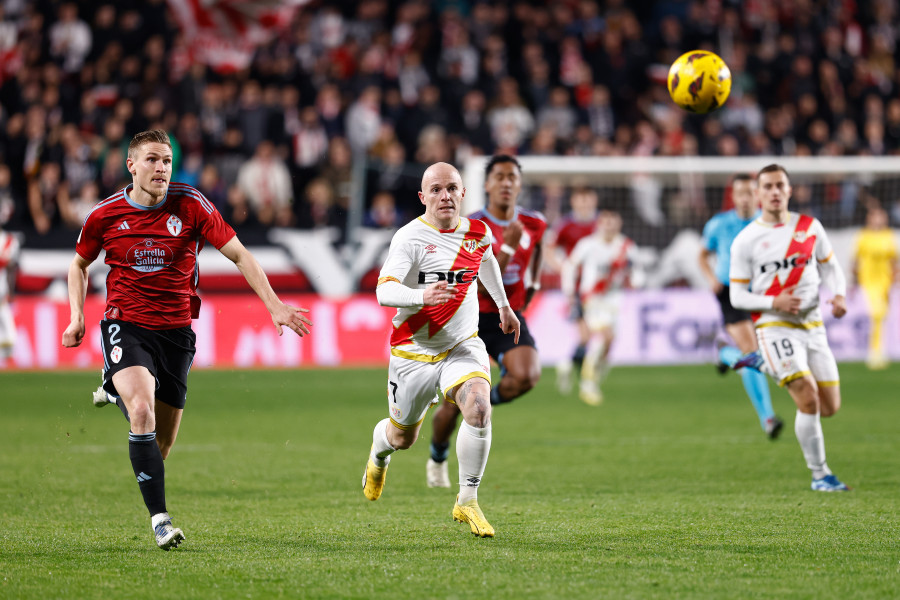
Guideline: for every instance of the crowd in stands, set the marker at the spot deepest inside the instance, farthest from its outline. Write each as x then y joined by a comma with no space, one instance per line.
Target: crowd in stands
405,84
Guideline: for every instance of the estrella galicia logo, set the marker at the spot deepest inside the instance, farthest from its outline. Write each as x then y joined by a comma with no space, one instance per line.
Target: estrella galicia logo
148,256
451,277
174,225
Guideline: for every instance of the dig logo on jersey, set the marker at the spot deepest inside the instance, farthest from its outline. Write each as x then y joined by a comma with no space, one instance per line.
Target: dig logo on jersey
451,277
148,256
800,260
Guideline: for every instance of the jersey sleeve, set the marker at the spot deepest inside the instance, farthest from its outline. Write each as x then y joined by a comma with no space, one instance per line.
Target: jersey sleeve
390,290
90,240
824,249
488,241
213,226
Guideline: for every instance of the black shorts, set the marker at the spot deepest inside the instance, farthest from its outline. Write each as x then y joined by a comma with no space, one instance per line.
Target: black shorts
166,353
730,314
498,342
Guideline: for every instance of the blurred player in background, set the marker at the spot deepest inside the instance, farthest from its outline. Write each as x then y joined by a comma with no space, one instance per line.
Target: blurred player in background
775,273
517,237
9,263
605,259
561,240
432,265
875,269
718,234
152,231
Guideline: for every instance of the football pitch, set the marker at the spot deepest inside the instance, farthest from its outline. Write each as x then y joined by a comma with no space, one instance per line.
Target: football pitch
669,489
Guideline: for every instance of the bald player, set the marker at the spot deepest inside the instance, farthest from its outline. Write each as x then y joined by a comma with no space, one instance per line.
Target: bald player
430,277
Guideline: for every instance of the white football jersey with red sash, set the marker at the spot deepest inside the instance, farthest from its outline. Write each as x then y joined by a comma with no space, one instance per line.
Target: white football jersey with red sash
420,255
772,257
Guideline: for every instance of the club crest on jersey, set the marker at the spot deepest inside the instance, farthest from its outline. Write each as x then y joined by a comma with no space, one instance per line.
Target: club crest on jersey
396,412
799,236
115,354
470,245
148,256
174,225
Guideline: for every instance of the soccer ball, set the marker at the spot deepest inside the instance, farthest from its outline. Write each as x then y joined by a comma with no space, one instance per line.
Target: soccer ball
699,81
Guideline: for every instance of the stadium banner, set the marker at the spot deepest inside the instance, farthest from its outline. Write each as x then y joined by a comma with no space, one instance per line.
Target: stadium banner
668,326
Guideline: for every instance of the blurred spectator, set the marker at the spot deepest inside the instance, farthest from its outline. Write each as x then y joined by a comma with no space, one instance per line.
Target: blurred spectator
511,122
383,212
364,120
266,184
87,196
70,38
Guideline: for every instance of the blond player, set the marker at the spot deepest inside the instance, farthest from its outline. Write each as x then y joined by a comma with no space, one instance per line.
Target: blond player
775,274
9,261
875,268
430,274
605,259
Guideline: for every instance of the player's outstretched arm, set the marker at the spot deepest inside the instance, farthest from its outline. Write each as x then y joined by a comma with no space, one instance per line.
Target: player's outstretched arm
282,314
78,278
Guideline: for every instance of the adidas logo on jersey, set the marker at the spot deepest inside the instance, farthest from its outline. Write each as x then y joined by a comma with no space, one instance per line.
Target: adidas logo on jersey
124,225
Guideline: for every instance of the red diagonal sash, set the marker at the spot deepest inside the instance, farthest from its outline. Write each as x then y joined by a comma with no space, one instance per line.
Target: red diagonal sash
438,316
799,252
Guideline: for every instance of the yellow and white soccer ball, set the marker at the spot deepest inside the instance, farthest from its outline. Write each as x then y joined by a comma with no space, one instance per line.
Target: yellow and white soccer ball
699,81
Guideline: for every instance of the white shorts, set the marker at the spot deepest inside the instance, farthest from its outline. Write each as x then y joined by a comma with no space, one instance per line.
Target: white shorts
413,386
7,329
792,353
602,310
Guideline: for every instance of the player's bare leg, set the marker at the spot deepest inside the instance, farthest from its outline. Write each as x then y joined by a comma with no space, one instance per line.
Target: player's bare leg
137,387
387,438
596,367
566,367
523,371
442,427
168,421
473,444
808,427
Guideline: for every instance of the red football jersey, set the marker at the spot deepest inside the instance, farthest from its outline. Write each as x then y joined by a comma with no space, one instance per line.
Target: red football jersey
152,254
569,231
534,225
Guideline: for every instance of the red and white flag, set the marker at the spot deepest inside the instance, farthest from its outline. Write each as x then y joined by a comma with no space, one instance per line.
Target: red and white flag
224,33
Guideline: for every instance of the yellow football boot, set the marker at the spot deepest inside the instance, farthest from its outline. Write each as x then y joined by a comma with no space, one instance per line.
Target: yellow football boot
373,480
471,513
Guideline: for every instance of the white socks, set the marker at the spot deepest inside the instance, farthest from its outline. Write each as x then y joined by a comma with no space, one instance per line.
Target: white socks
473,445
381,448
809,433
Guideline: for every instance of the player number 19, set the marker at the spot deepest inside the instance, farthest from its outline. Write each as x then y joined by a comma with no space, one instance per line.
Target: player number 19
785,346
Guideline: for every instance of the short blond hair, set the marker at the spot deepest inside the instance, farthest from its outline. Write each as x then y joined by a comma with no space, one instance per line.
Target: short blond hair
154,136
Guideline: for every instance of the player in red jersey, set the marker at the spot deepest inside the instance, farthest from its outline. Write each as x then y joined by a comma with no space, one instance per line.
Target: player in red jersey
569,230
152,231
518,233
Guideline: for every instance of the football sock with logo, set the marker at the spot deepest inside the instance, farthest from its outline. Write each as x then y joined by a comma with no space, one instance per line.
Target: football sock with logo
809,433
381,447
439,452
147,462
473,444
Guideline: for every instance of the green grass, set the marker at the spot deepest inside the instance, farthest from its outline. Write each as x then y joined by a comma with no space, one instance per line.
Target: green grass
669,489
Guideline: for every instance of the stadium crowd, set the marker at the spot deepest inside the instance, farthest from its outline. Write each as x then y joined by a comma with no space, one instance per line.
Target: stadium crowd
408,84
